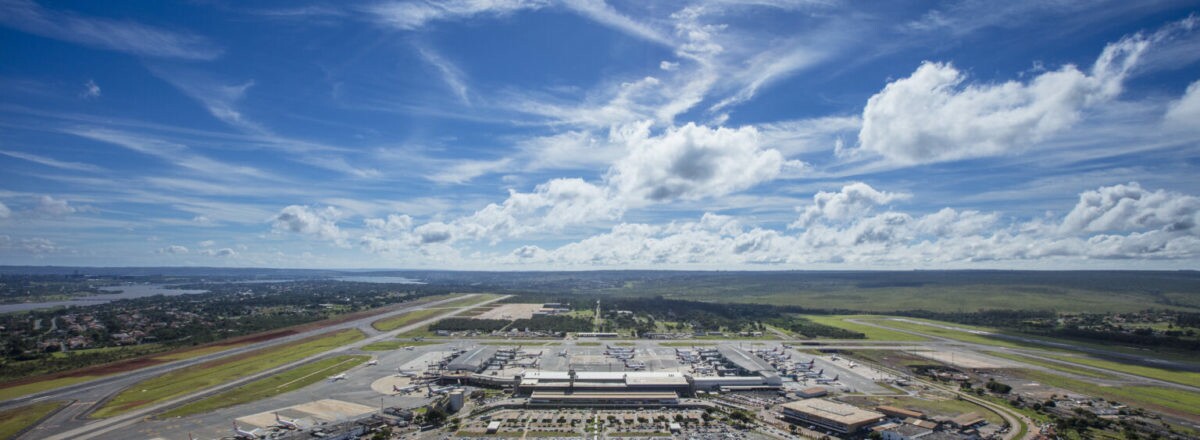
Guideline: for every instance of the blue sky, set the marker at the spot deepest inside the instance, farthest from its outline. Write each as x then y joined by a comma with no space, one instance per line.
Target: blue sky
528,134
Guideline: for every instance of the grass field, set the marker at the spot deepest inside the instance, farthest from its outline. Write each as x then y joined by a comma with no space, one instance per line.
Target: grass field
1051,365
14,420
949,333
208,374
1178,402
289,380
1180,377
395,345
395,322
874,333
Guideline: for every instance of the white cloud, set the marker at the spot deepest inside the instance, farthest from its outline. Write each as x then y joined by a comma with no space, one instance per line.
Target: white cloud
321,223
410,15
1184,113
51,162
121,36
207,243
691,162
90,90
4,211
668,65
38,246
931,116
174,250
450,73
1132,208
853,201
219,253
50,206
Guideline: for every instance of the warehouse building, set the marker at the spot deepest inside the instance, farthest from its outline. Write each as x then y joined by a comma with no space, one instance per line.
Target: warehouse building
473,360
834,416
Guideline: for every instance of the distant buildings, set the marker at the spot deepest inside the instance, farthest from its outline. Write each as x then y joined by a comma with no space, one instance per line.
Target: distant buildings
830,415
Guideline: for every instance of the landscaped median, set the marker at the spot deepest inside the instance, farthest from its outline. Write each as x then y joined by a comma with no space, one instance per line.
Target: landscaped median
198,377
290,380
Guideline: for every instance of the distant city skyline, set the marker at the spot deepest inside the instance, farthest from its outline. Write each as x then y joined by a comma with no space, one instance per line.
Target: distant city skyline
584,134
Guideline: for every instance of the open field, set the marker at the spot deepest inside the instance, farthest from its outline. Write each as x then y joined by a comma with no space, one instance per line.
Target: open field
1180,377
1179,402
289,380
180,382
510,311
1051,365
14,420
919,326
395,345
874,333
395,322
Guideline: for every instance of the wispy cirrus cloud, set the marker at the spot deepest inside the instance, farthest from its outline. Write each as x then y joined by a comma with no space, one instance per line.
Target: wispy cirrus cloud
122,36
51,162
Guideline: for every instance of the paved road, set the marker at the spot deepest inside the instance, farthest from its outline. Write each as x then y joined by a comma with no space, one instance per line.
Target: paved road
69,423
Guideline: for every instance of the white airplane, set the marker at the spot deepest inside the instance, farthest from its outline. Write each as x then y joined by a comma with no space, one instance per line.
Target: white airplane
410,348
852,364
286,423
817,373
244,434
401,372
372,362
828,381
337,378
563,353
405,390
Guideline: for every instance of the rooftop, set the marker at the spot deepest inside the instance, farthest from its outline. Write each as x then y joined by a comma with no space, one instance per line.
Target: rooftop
744,360
835,411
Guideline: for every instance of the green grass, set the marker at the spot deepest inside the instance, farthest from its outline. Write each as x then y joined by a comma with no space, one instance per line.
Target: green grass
395,322
1180,377
15,420
1051,365
588,344
208,374
951,334
1155,398
395,345
290,380
44,385
875,333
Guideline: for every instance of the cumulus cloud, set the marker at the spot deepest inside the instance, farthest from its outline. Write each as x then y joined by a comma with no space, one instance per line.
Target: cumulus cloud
1129,208
219,253
933,116
1185,112
38,246
174,250
50,206
1114,222
318,222
854,200
691,162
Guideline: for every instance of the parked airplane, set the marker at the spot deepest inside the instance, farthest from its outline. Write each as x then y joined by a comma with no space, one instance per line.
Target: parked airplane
410,348
563,353
405,390
828,381
372,362
817,373
401,372
442,390
244,434
337,378
286,423
852,364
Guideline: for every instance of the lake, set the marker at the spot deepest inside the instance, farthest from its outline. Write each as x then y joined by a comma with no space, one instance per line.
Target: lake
128,291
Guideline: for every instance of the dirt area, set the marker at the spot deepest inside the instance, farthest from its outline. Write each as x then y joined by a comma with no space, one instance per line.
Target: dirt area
331,410
966,359
510,311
